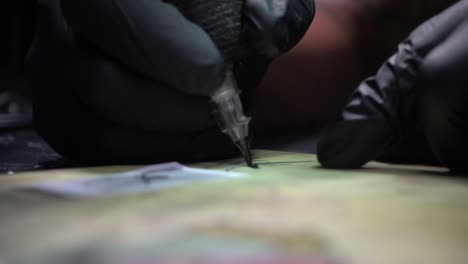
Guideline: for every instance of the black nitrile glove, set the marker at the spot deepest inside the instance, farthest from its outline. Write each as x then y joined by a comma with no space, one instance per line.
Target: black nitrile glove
128,81
415,109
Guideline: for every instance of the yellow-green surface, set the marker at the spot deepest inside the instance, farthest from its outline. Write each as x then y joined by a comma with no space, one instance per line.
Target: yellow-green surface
381,214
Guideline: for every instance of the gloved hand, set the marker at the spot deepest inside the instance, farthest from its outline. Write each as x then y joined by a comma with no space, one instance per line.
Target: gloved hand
130,79
414,109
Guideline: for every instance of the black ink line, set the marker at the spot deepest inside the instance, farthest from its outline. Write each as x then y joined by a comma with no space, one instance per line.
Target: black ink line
259,162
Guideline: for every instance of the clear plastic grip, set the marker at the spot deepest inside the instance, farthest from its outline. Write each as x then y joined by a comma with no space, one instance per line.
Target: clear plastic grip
230,115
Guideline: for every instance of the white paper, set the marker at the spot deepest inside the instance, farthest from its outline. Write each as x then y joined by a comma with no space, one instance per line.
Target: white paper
151,178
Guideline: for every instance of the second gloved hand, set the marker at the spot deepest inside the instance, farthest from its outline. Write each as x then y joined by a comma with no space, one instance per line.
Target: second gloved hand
418,95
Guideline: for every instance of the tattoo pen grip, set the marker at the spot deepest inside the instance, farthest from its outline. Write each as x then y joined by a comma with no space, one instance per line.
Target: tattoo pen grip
230,115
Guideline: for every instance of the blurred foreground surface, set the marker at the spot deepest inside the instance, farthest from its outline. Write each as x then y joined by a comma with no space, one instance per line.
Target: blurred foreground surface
288,211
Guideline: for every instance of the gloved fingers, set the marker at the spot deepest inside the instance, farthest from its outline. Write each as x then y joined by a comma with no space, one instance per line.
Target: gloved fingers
442,99
366,125
429,34
275,26
151,38
130,100
447,64
389,94
376,115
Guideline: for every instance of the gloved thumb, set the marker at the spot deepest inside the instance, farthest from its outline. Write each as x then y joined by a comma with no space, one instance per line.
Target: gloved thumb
351,144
